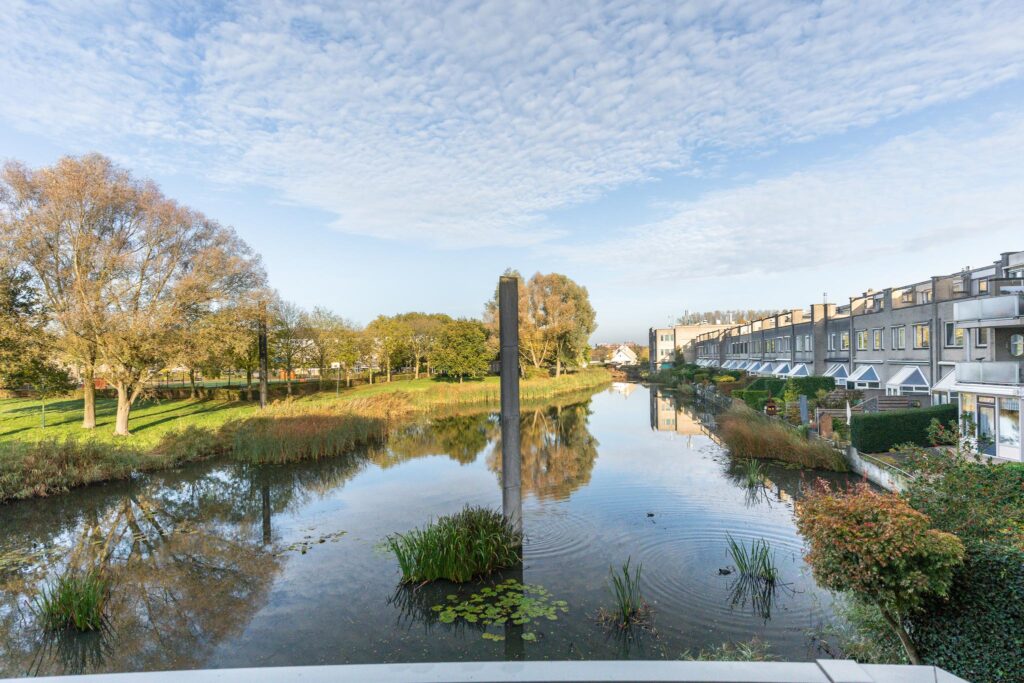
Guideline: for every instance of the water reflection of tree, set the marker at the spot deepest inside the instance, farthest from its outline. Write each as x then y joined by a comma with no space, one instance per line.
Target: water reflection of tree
558,450
181,586
460,437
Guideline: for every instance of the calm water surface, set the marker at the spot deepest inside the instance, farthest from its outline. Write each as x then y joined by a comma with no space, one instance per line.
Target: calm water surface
226,565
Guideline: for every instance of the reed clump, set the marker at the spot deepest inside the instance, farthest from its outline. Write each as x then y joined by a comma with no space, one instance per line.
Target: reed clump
280,439
755,561
458,547
630,607
76,600
749,434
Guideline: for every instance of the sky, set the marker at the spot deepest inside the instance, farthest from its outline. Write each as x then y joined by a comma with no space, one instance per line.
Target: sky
394,156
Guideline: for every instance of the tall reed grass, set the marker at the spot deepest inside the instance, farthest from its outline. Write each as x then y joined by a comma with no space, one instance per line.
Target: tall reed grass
756,561
76,600
748,434
458,547
629,602
288,439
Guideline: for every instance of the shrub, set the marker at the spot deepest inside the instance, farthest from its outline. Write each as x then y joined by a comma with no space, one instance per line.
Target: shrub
459,547
808,386
75,600
752,397
880,432
751,435
772,385
978,632
880,549
720,379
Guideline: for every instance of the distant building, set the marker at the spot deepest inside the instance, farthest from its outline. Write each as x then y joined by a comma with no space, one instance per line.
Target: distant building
956,338
664,342
623,356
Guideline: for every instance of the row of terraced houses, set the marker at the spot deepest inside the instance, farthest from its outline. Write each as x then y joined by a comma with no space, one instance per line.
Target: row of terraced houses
953,338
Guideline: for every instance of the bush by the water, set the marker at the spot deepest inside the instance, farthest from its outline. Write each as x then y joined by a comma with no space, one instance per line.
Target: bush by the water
748,434
880,432
459,547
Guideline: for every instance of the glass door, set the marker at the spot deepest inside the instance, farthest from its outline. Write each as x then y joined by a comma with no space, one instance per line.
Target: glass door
1008,429
987,427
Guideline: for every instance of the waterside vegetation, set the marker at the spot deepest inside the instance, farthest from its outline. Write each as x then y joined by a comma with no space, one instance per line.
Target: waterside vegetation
749,434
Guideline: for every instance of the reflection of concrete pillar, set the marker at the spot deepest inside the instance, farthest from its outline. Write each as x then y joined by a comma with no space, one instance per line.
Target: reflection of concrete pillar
515,646
265,500
511,466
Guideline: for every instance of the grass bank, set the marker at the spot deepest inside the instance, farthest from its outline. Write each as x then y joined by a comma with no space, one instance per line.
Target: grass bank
748,434
37,462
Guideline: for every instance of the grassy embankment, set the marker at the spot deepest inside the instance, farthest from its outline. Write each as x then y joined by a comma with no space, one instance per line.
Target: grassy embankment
749,434
37,461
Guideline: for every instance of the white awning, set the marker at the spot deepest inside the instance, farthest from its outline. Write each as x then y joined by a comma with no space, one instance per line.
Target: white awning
947,383
864,373
781,369
799,370
730,365
763,368
838,370
908,378
751,365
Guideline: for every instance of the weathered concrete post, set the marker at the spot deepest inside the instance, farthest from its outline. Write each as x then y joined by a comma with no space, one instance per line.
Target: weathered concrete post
511,472
804,412
263,354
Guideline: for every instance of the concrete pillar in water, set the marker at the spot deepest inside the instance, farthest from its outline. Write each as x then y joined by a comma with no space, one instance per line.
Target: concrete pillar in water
511,468
263,354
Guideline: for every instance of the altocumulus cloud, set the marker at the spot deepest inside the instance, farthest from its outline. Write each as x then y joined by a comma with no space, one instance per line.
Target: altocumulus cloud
929,189
461,124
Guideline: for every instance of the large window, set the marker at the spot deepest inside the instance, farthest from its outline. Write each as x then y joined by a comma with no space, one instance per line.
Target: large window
922,336
1017,345
844,341
862,340
876,339
954,336
1009,422
899,337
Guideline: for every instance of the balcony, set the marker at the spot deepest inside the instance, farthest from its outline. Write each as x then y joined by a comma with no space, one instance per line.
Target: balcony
990,311
998,372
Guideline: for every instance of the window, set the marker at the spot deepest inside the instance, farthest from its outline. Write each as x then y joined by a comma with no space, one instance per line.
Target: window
862,340
924,296
1009,422
876,339
907,297
807,343
958,286
832,342
954,336
899,337
922,336
844,341
1015,272
1017,345
981,337
982,286
799,343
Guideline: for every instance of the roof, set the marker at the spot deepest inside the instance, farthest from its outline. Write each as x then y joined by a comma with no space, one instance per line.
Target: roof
837,370
864,373
910,376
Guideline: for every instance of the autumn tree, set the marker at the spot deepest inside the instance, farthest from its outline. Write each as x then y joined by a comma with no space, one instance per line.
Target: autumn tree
323,331
422,332
389,340
288,340
878,548
67,224
462,350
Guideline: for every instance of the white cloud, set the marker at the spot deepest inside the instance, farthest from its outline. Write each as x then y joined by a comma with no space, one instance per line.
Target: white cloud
463,123
888,206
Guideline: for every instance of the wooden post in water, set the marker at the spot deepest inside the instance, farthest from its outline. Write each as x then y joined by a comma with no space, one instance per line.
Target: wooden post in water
511,467
263,354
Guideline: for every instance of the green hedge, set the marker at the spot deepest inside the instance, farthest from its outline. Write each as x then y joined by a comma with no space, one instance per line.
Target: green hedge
978,632
752,397
879,432
770,384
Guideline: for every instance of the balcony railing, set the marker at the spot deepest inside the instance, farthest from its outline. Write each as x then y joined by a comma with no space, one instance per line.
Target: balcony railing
997,372
989,308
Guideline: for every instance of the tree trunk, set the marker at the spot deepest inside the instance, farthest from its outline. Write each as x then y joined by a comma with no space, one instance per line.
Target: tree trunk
348,377
388,364
192,383
89,398
908,644
124,407
416,368
43,407
288,379
460,379
558,366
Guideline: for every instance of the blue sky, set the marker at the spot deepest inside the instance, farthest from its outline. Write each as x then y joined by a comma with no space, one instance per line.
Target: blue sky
394,156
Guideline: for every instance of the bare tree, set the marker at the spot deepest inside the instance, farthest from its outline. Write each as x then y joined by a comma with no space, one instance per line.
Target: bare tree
287,337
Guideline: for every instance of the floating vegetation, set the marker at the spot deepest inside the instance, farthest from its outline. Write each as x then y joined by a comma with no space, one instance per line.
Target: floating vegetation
630,607
756,561
754,650
459,547
75,600
309,542
507,603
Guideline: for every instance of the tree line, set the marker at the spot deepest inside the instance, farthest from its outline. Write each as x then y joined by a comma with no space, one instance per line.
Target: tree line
102,274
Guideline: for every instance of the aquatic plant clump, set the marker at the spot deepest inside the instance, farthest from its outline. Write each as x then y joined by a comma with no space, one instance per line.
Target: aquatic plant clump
509,602
75,600
749,434
630,607
756,561
459,547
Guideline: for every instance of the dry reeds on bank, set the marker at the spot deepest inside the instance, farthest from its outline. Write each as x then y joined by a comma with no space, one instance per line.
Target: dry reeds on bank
749,434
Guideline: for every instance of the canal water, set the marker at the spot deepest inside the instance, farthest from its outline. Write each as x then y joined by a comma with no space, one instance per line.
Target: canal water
227,565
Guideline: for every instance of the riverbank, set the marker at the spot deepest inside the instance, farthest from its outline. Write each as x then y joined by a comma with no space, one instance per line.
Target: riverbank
36,461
